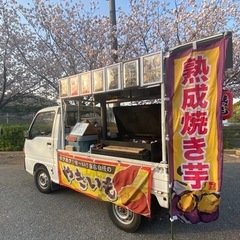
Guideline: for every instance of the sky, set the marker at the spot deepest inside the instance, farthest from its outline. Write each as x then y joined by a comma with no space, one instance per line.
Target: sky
103,5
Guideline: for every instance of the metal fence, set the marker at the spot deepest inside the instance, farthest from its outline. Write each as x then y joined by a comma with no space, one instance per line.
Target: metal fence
15,118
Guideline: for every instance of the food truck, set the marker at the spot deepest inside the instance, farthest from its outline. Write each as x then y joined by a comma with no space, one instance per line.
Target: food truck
141,131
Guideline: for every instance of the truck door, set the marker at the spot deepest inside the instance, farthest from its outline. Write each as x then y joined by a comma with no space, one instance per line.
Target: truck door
39,144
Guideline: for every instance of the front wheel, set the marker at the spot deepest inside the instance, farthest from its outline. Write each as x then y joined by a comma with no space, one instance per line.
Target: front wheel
42,180
124,218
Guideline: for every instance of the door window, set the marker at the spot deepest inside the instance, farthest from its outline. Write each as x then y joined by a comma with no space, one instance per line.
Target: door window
42,125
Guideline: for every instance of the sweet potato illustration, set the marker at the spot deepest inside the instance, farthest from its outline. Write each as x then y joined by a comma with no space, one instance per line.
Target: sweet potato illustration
209,217
187,202
134,199
125,177
209,203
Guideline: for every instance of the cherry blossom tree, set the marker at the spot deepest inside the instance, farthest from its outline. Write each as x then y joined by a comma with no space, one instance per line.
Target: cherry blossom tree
49,41
46,40
153,25
69,38
14,73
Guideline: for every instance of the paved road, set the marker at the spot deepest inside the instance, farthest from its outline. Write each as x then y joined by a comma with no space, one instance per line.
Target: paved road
25,213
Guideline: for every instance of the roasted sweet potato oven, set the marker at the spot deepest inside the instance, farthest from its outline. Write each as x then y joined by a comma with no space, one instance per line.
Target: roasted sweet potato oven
139,134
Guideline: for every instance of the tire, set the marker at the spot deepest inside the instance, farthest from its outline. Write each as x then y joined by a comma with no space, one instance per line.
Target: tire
43,180
124,218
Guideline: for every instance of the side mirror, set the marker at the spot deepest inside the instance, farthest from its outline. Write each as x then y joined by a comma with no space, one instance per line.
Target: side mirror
26,134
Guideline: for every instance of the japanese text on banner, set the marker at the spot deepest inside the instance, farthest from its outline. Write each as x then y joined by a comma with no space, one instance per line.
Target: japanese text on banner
125,185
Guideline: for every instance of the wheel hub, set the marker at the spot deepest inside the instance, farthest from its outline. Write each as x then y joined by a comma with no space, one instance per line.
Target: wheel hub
123,214
43,180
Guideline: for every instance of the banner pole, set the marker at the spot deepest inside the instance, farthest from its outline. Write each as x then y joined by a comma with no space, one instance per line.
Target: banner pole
165,139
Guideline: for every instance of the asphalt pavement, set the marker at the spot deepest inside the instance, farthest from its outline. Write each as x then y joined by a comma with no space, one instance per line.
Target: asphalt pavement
27,214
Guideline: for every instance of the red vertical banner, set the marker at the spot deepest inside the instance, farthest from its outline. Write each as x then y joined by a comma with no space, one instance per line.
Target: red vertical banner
194,87
227,105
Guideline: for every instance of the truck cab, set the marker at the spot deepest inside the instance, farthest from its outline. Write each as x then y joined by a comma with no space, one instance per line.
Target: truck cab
42,142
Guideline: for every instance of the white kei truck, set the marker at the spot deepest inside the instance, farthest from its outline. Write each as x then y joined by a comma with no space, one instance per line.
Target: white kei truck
108,138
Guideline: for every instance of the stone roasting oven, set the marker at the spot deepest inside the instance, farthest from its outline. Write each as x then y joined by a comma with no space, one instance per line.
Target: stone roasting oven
139,131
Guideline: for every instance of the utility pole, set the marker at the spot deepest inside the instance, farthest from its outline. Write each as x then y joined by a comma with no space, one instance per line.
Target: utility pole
112,14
